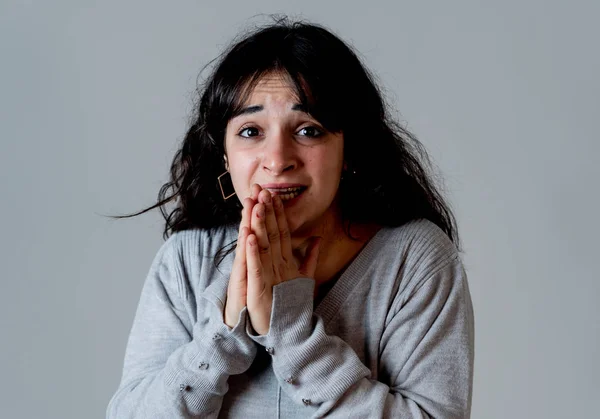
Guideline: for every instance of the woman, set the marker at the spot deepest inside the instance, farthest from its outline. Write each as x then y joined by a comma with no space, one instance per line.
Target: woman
345,295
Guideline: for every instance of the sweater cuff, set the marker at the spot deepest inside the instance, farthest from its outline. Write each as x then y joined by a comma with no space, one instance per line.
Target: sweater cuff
292,307
311,366
215,352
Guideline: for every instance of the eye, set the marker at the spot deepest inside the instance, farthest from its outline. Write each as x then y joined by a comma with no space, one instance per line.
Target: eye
249,132
310,131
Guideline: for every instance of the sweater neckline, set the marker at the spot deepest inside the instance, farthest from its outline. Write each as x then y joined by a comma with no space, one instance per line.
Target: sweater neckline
329,306
350,278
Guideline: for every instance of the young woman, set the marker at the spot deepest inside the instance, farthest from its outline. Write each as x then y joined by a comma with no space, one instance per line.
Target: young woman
312,267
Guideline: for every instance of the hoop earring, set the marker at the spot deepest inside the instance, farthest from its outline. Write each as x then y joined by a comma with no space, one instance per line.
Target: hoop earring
225,198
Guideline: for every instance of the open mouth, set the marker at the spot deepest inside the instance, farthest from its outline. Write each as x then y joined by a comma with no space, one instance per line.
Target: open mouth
287,194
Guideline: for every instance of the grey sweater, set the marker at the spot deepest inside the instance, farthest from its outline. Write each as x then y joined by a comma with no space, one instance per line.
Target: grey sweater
393,338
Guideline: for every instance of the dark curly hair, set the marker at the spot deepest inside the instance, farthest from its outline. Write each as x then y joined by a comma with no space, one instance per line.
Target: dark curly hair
389,180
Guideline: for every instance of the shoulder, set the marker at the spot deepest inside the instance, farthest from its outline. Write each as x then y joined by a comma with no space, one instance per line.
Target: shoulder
418,250
187,261
418,241
199,242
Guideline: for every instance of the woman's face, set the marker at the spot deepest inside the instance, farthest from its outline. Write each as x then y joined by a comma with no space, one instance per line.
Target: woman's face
275,144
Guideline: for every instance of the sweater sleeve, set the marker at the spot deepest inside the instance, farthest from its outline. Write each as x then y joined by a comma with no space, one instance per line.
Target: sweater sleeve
425,358
171,371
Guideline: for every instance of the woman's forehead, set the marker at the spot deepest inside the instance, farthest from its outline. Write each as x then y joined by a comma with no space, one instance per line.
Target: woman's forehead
273,86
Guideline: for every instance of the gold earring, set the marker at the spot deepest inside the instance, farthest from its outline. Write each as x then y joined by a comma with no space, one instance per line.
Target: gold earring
225,198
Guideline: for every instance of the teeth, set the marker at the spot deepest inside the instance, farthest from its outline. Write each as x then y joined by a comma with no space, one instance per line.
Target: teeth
293,194
282,191
287,193
297,188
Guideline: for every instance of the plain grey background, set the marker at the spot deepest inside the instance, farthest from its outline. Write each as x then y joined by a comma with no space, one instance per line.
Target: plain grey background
95,96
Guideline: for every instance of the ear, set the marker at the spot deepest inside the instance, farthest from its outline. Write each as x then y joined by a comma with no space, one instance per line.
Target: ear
226,163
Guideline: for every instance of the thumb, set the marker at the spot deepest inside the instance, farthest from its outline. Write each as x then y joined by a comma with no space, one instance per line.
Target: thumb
309,265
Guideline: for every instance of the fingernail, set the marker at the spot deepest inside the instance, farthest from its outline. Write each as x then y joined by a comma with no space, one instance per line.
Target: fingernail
267,198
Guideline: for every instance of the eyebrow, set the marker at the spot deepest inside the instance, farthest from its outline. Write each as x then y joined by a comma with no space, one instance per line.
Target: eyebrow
257,108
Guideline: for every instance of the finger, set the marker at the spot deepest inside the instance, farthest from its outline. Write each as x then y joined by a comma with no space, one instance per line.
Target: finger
248,204
237,287
309,264
259,229
259,292
254,191
272,229
238,280
256,284
285,237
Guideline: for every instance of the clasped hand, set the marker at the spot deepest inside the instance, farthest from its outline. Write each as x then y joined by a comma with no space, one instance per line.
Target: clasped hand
263,259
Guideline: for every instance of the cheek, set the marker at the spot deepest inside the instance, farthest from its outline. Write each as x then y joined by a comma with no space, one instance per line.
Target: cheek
242,169
327,170
330,163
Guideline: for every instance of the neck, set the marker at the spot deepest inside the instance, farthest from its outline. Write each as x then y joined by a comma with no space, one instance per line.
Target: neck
337,248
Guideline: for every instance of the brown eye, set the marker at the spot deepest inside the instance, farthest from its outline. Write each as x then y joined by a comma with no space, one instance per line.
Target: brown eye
310,131
249,132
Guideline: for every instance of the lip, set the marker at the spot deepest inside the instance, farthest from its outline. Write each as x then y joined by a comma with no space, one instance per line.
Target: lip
276,189
282,185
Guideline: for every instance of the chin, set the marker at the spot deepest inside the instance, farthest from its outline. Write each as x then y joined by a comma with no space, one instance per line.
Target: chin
295,226
303,228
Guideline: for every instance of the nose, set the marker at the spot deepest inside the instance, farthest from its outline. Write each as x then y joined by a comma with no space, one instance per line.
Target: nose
279,154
